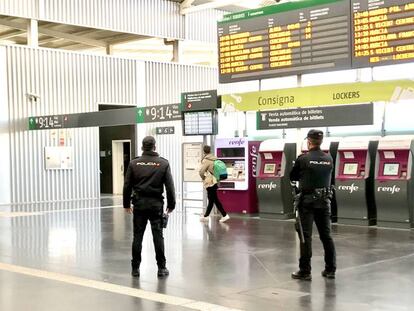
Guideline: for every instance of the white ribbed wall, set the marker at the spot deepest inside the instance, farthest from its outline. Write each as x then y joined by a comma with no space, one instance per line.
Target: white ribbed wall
159,18
202,25
5,167
72,83
66,83
164,85
156,18
20,8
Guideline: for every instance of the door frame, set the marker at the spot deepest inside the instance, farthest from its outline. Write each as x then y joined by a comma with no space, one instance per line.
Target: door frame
115,180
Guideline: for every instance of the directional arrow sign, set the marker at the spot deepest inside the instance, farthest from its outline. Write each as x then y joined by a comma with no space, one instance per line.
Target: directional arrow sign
32,124
140,115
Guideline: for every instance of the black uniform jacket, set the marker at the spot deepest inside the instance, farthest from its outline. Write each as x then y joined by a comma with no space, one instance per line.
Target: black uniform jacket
313,170
146,176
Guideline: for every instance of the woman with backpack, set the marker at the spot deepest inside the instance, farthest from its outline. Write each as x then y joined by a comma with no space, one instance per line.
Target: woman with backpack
210,183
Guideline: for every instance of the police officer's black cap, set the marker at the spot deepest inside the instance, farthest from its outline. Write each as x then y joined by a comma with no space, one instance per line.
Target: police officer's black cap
148,143
315,134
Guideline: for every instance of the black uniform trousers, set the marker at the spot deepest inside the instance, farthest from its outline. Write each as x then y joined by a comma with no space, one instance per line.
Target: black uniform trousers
318,210
148,210
213,199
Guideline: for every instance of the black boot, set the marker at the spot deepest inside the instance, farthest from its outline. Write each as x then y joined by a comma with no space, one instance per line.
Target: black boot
302,275
135,272
328,274
163,272
135,269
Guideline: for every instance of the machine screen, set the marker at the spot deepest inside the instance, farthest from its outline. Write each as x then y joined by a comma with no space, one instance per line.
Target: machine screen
391,169
230,152
350,168
269,168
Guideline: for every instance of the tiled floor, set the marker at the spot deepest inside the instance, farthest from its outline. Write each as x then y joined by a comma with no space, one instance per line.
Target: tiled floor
242,264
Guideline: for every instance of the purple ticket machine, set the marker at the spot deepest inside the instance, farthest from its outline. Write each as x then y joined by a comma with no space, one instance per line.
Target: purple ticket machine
330,145
354,178
273,184
393,182
238,191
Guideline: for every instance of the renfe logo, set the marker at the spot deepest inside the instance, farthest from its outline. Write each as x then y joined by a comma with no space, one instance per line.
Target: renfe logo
269,187
254,156
352,188
392,190
238,142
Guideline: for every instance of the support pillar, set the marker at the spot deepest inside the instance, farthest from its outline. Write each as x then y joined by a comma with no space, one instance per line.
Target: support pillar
33,33
109,49
176,51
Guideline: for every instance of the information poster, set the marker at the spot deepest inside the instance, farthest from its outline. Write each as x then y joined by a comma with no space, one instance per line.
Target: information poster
192,155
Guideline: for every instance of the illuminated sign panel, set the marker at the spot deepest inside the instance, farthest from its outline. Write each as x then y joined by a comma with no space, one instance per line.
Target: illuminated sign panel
383,32
286,39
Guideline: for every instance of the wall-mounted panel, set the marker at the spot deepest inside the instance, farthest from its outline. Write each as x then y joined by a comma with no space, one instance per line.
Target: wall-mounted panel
65,83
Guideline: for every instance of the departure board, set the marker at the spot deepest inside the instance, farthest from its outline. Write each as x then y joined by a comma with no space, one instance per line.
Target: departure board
200,123
383,32
285,39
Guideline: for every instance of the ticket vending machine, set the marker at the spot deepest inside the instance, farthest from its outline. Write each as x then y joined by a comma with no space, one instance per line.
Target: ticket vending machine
238,191
393,182
274,191
329,145
354,178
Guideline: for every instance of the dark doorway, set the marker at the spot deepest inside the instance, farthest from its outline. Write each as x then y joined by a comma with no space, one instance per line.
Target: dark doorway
125,134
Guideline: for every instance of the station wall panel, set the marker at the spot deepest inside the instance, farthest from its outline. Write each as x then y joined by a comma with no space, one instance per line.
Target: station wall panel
164,85
64,83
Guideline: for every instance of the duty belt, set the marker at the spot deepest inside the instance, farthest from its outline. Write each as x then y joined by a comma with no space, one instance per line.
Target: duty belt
319,193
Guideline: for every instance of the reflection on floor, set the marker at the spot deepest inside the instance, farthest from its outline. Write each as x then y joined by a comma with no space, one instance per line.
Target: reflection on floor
242,264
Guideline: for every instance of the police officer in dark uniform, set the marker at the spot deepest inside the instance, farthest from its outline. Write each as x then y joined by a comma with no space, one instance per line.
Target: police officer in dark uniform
314,172
145,180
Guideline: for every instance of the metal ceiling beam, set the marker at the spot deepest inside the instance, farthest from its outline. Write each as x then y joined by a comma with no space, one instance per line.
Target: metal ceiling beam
54,39
209,5
124,38
54,33
10,34
185,4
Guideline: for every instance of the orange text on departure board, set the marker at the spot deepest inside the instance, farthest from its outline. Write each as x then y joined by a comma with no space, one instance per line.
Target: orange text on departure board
376,36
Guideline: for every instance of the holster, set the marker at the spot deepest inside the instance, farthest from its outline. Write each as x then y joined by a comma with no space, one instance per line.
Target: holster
164,220
298,222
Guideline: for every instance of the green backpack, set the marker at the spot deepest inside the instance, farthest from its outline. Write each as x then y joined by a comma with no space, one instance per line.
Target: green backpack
220,170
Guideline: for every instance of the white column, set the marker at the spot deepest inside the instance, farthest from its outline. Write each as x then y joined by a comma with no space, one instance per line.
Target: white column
176,51
33,33
299,138
109,49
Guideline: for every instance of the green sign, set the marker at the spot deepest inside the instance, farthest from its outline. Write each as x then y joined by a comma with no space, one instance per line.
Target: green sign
324,95
140,115
46,122
161,113
280,8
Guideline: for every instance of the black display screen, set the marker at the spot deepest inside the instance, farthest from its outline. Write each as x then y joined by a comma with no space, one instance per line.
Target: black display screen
286,39
383,32
200,123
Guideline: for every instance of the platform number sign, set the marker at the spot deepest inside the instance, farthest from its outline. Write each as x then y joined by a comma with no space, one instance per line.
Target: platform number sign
46,122
168,130
159,113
